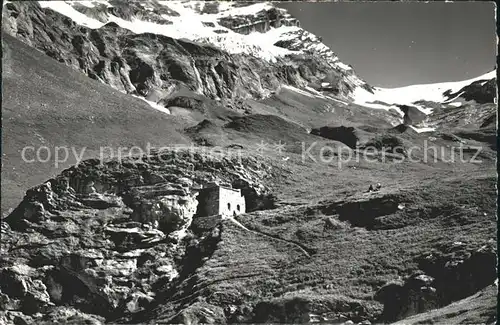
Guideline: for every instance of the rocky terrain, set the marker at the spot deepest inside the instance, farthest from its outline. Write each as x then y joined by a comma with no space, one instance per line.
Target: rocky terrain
155,65
105,238
245,99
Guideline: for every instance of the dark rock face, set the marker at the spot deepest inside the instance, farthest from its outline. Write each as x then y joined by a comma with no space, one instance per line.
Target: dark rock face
490,121
346,135
387,143
204,132
481,91
460,271
365,211
291,311
255,123
401,128
299,310
414,296
106,239
144,64
486,135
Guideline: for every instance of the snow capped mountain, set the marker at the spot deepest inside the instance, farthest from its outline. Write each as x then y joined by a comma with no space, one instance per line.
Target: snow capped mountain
222,49
445,92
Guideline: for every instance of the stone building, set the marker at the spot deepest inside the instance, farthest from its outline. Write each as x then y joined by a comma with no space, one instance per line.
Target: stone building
214,199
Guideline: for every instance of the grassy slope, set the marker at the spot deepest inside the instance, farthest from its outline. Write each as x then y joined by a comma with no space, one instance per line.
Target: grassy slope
313,112
47,103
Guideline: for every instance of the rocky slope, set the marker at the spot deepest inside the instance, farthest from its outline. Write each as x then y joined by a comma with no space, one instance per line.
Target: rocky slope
236,93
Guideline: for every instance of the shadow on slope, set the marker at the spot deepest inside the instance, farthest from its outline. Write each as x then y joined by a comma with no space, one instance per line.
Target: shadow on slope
479,308
442,228
312,111
250,131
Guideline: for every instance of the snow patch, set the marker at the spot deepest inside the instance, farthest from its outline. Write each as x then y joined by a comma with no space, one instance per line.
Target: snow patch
138,26
452,99
312,93
154,105
375,106
299,91
88,4
227,8
364,98
315,92
337,100
425,110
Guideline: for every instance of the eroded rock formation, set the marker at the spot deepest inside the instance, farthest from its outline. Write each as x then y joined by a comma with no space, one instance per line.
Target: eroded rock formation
104,238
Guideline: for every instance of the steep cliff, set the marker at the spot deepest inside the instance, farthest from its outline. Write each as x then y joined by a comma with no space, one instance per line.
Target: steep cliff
119,241
153,49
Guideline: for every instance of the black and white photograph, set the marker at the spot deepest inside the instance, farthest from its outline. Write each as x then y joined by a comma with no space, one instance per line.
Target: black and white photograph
231,162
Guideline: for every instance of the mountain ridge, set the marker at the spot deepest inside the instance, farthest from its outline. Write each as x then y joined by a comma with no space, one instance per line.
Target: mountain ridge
317,64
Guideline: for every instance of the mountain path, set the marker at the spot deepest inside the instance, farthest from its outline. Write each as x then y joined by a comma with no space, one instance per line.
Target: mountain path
260,233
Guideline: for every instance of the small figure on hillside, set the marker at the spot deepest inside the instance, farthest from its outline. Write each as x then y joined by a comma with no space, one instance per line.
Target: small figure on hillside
378,187
329,224
370,189
155,224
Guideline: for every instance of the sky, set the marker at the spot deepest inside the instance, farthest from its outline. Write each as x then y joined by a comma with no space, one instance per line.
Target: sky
393,44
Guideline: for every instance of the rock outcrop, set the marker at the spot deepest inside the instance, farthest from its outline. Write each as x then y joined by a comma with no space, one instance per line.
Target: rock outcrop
449,275
155,66
412,115
414,296
104,237
261,22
